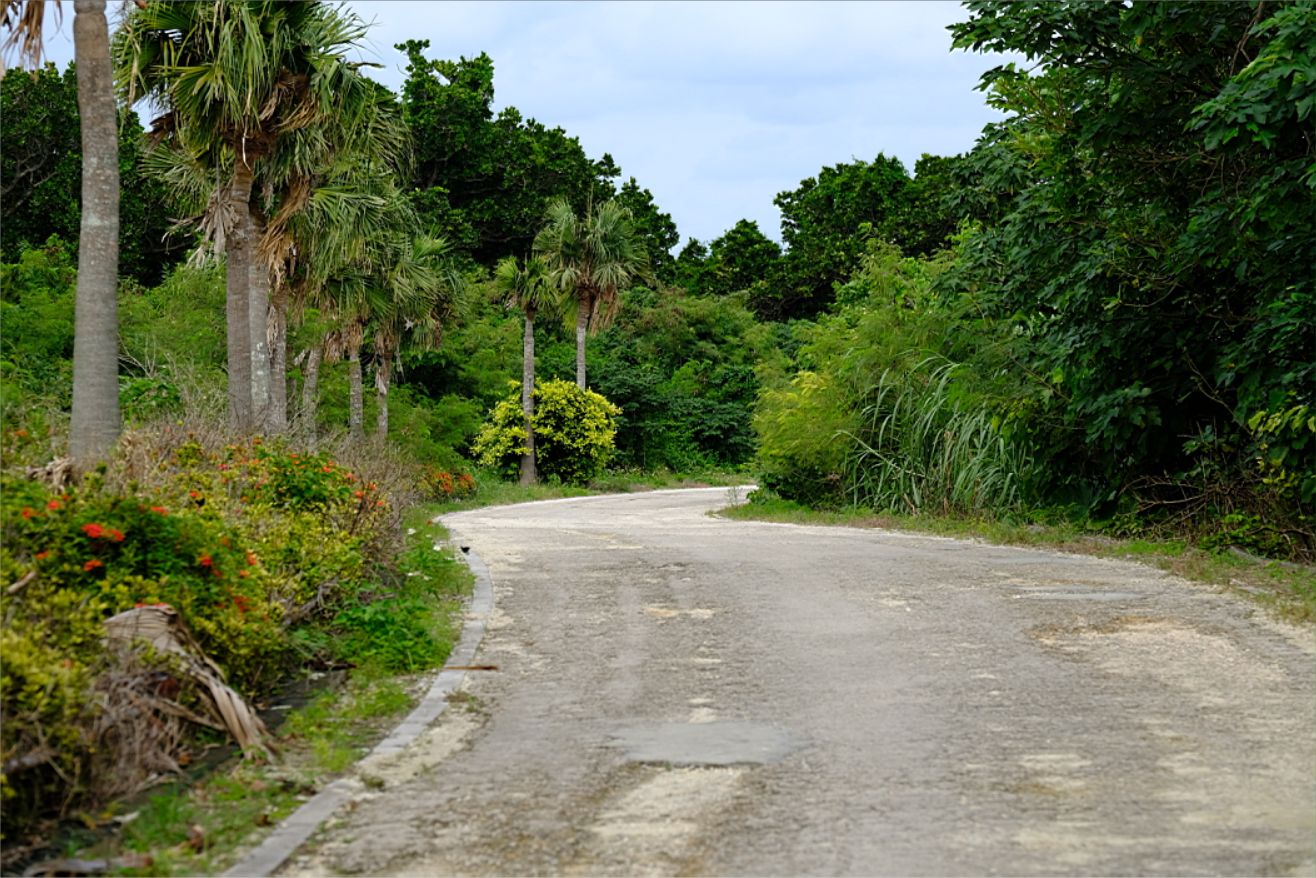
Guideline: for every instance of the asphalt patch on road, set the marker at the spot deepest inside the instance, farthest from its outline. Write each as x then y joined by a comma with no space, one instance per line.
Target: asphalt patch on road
711,743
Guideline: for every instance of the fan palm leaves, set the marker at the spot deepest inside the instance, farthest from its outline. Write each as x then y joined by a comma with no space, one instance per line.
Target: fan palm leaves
527,288
249,85
425,285
361,264
590,259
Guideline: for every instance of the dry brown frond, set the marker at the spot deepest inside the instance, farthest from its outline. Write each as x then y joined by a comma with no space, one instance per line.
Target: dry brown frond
25,20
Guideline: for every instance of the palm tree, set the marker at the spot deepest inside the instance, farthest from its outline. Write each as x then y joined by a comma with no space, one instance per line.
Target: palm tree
526,288
359,265
590,259
375,147
425,287
236,80
320,188
95,422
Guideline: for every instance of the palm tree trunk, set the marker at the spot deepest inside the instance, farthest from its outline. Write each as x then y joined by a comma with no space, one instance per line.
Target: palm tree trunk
310,390
356,399
528,475
582,324
278,419
237,311
258,323
383,374
95,420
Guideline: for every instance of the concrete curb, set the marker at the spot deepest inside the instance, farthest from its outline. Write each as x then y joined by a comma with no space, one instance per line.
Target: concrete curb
297,827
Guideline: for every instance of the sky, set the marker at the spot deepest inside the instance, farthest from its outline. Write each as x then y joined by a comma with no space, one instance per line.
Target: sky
715,107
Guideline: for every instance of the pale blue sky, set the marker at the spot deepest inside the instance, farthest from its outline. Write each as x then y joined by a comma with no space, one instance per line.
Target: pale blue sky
713,106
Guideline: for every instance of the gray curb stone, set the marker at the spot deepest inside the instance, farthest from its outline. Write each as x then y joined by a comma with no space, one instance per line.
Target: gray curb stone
297,827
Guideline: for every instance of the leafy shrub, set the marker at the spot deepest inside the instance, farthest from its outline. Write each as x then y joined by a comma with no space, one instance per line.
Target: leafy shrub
1286,453
802,445
574,433
36,310
441,485
255,545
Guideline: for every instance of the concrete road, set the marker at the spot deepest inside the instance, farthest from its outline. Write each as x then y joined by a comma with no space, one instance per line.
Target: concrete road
680,694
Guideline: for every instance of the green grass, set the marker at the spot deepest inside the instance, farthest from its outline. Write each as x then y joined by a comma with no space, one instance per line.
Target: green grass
1287,589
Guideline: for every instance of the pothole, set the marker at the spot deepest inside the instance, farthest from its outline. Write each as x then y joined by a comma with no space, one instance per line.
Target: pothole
705,743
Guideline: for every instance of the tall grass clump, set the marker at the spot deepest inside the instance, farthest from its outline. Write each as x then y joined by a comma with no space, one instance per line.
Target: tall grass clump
918,449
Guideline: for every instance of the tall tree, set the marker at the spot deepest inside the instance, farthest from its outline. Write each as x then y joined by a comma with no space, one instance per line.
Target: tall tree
95,422
824,223
425,286
590,258
482,179
656,230
526,288
1149,229
742,257
41,167
235,78
691,269
308,174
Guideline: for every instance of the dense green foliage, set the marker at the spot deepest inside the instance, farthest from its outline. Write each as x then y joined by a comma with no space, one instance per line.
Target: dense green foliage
1129,305
1147,231
41,169
482,180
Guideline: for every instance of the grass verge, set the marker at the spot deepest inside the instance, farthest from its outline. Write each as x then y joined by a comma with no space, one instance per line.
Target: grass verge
200,827
1287,589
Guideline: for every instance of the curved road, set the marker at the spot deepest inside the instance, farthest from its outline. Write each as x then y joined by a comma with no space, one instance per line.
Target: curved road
680,694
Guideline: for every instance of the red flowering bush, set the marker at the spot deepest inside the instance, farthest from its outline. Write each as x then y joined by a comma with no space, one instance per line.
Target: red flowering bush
253,544
441,485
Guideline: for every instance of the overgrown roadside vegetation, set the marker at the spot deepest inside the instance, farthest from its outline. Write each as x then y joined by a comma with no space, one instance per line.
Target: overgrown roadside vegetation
321,724
1287,589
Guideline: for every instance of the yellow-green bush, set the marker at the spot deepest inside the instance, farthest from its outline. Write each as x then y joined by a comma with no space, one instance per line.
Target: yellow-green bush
574,433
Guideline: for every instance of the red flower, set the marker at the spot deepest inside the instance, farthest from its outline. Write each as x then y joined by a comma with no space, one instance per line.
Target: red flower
27,512
53,504
195,495
251,559
358,494
326,469
205,561
93,564
380,503
160,510
95,531
242,574
116,535
41,556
